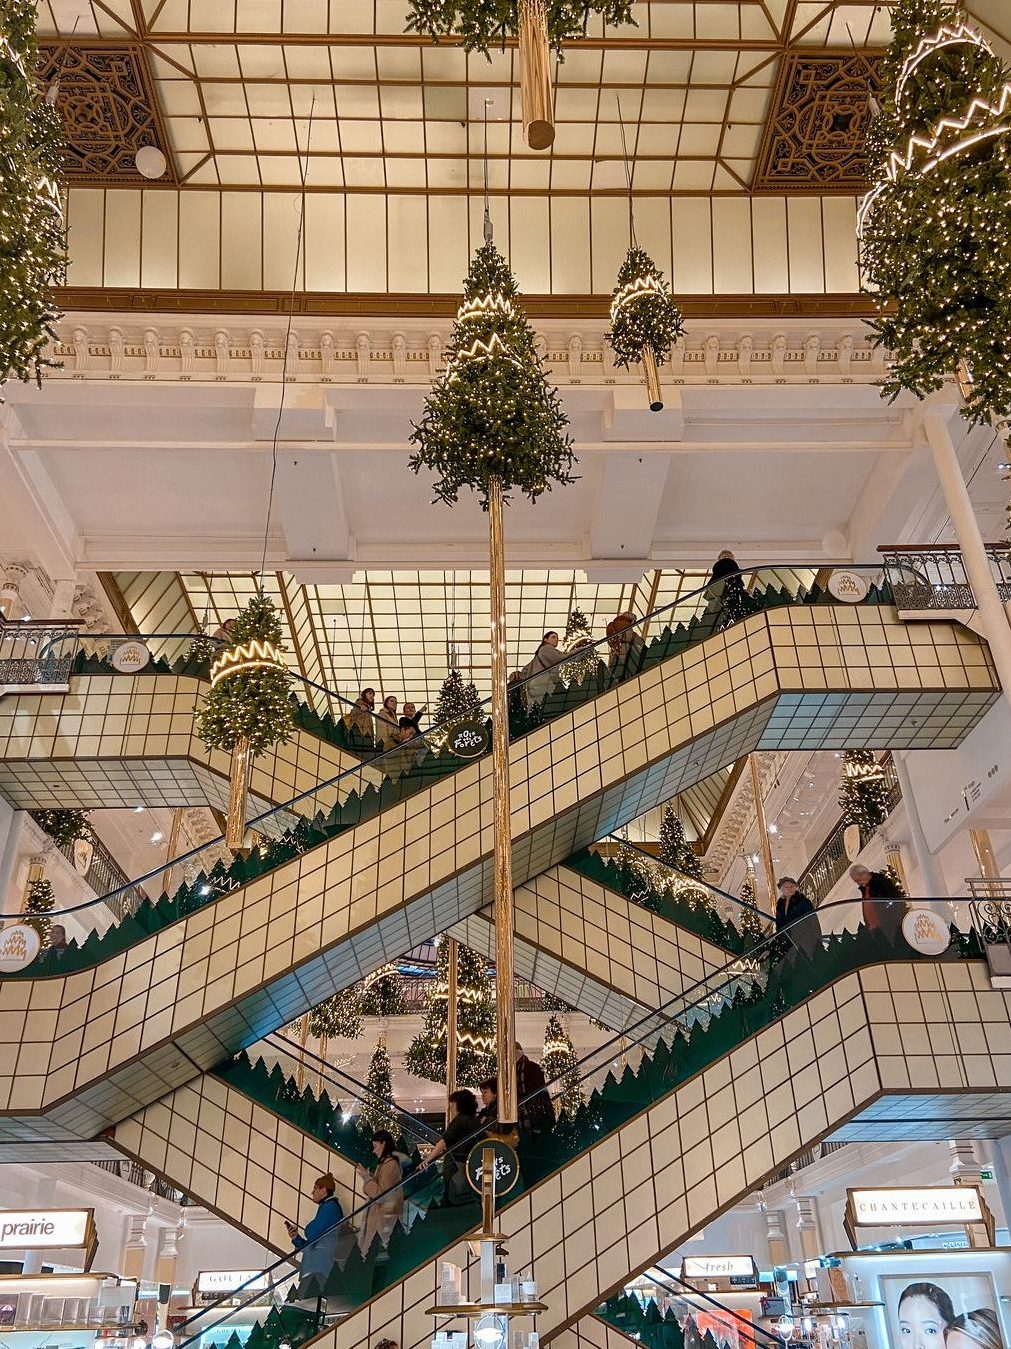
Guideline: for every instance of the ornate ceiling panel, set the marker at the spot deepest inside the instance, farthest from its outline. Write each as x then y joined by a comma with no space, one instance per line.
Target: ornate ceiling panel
109,110
815,132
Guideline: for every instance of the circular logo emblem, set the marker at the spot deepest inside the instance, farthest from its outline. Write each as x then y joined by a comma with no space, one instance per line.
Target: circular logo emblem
925,932
849,586
130,656
507,1165
469,739
19,945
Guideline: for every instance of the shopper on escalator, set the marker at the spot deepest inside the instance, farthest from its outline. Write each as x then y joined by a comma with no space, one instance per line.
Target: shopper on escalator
461,1133
383,1187
727,592
537,1115
321,1233
626,646
884,904
797,921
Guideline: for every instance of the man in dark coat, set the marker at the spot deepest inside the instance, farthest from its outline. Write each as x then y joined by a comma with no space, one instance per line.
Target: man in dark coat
795,911
537,1114
884,905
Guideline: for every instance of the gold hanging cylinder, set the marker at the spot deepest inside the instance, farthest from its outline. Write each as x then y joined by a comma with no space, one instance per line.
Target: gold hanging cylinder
505,998
535,75
238,792
652,380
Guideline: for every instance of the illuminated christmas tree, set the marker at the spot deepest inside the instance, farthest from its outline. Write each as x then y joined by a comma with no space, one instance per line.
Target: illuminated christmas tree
40,900
375,1112
559,1062
32,237
935,241
578,635
675,850
475,1055
340,1017
458,700
382,994
863,792
65,826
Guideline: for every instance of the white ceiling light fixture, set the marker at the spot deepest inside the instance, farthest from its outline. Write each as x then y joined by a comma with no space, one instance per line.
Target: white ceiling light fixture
150,161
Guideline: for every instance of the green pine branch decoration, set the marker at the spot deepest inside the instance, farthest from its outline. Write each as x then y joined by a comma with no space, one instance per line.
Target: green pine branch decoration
65,827
492,413
32,235
643,311
936,246
480,25
340,1017
374,1114
254,704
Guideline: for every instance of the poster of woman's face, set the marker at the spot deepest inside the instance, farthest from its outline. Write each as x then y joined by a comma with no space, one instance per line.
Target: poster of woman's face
957,1311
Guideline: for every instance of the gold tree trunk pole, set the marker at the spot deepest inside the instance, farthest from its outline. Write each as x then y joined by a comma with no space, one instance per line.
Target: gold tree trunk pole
505,1004
765,848
652,380
535,74
172,851
238,793
324,1044
303,1040
451,1022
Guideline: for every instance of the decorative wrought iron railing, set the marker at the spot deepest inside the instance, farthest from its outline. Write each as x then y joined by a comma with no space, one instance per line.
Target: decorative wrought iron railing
145,1180
830,862
104,875
35,655
936,578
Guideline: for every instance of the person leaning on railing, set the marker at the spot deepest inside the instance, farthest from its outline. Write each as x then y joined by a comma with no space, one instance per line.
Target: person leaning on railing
454,1146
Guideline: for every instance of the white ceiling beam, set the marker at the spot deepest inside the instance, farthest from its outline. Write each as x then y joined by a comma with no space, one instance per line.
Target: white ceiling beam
629,495
310,505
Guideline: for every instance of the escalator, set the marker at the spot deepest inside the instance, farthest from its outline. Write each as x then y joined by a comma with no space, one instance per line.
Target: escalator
117,1021
129,739
717,1091
600,934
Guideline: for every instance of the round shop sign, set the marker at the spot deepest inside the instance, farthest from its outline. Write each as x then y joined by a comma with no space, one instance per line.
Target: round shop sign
130,656
19,945
925,932
849,586
507,1165
469,739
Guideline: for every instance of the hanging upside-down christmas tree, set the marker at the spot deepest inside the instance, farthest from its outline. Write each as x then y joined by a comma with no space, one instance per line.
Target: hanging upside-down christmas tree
935,229
248,709
645,320
32,242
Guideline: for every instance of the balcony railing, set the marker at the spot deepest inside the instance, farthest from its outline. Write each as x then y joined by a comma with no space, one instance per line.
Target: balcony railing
936,578
146,1180
105,876
831,862
35,656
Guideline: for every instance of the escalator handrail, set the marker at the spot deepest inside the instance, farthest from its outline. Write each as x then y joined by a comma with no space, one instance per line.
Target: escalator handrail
746,1328
171,864
472,1138
360,1090
705,885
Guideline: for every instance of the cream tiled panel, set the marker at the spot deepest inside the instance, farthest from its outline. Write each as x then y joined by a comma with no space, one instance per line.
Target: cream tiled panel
260,956
130,740
590,1332
234,1157
190,246
596,950
636,1195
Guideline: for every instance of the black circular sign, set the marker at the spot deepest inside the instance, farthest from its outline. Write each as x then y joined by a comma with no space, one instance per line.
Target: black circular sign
468,739
507,1165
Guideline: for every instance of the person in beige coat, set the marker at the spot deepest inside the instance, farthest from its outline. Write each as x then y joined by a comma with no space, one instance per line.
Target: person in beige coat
383,1186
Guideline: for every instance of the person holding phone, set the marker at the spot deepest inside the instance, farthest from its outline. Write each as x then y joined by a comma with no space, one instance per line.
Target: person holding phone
319,1249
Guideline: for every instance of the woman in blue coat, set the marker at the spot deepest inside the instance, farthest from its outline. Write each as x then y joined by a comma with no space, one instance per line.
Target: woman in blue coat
321,1233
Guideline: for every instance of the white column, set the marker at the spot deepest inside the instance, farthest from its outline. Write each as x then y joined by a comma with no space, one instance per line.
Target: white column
970,541
13,821
10,591
62,603
931,880
808,1228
